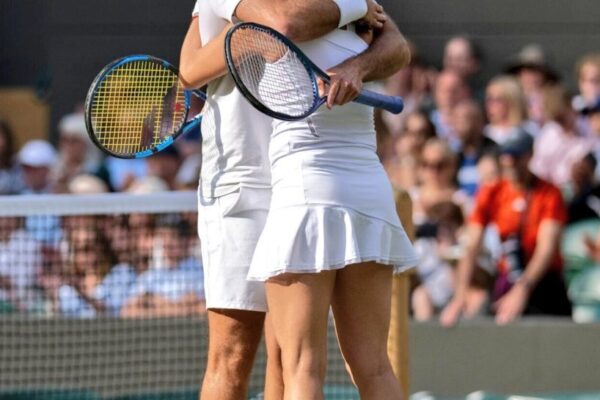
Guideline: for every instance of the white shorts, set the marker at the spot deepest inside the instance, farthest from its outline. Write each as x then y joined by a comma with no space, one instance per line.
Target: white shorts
229,227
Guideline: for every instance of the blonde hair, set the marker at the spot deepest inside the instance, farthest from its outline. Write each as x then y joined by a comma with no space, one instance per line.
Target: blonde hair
513,94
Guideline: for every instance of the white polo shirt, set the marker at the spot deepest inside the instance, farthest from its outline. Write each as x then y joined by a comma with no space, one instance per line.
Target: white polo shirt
235,136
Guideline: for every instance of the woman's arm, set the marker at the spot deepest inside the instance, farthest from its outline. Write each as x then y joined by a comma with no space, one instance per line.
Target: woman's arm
199,65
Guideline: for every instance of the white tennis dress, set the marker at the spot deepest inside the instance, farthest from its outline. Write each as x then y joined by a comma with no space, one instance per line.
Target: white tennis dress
332,203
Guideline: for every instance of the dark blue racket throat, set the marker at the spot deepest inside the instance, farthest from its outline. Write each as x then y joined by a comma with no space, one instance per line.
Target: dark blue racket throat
278,79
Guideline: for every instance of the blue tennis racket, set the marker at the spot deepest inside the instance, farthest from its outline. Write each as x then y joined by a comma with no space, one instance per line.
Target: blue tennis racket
278,79
137,106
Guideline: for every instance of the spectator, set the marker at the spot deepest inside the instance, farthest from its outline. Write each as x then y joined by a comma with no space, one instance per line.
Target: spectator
560,144
174,286
413,83
488,169
437,172
469,121
585,196
86,184
504,107
165,165
86,262
436,246
450,89
20,263
114,288
587,73
462,55
11,180
123,172
36,158
148,184
76,153
531,68
528,214
592,114
408,147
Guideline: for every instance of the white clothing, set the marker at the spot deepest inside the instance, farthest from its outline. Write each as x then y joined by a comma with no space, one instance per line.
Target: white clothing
555,152
235,168
351,10
235,137
20,264
332,202
229,229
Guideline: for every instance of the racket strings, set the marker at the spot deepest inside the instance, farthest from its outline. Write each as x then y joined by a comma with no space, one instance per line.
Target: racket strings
273,73
137,106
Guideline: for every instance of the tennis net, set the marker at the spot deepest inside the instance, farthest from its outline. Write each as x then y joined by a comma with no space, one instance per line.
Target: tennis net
101,297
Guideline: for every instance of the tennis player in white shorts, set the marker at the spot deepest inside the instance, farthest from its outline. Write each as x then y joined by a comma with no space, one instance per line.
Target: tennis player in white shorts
234,192
333,235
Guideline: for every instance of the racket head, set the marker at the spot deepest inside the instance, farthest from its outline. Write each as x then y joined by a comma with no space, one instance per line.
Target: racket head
272,72
136,106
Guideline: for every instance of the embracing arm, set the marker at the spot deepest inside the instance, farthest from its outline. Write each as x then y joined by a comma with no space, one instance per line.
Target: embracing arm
387,53
298,19
302,20
199,64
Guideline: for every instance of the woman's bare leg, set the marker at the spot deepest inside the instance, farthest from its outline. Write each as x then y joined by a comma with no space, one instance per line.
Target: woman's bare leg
361,307
274,375
299,308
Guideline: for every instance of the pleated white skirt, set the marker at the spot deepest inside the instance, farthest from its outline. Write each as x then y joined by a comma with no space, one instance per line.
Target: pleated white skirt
329,210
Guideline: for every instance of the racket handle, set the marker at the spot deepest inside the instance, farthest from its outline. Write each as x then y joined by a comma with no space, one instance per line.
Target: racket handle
393,104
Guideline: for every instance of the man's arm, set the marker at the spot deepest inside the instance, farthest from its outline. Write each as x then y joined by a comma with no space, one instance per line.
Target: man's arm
387,54
513,303
302,20
298,19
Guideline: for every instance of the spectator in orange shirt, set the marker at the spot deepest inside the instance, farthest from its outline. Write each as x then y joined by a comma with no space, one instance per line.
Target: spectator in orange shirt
528,214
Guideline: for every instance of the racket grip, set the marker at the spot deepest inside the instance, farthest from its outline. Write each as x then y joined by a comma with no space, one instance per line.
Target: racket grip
393,104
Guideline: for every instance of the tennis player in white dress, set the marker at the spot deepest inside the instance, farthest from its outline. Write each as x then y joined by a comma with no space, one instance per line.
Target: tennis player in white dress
235,191
332,235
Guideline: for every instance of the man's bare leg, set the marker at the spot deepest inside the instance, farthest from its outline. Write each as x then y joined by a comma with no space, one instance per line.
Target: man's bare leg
234,336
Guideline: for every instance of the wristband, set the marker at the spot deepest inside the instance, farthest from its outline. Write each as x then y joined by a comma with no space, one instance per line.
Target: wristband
351,10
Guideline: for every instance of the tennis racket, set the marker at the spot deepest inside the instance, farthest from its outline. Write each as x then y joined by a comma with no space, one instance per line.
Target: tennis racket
278,79
137,106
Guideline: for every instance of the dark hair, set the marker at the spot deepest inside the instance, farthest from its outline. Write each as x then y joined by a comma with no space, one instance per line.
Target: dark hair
6,156
446,213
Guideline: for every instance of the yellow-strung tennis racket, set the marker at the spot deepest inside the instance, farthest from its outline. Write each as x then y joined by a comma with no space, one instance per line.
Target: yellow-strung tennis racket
137,106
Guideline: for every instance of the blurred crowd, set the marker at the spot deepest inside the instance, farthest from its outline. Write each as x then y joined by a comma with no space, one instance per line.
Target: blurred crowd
136,265
497,171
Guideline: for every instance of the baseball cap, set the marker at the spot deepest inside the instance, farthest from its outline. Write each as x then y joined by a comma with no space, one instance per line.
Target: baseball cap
592,108
37,153
73,125
87,184
519,142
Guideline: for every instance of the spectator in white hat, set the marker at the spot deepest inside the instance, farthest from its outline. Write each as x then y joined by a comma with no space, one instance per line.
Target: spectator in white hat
36,158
